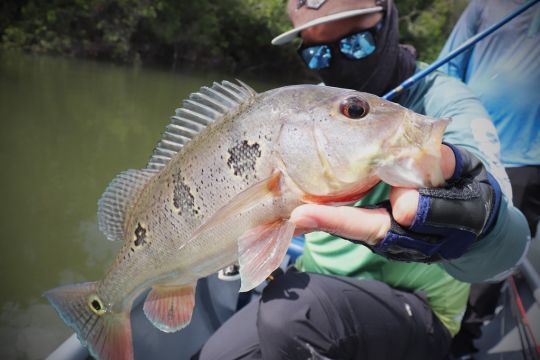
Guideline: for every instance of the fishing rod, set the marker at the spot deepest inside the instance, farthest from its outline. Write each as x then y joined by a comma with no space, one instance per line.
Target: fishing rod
466,45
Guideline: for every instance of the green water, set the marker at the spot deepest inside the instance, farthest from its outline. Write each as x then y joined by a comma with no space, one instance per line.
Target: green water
67,128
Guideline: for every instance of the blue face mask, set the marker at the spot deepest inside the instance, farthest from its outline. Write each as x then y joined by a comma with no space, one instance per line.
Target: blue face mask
354,47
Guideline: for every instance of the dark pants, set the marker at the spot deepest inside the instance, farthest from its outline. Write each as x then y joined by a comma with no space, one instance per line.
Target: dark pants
484,297
313,316
526,193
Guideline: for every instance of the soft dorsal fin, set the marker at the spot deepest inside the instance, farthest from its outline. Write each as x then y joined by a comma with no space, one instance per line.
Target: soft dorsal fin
201,109
117,200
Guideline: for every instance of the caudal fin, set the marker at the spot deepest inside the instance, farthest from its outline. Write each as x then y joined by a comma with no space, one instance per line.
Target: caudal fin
106,334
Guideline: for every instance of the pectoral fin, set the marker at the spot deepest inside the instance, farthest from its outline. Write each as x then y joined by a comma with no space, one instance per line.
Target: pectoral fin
261,250
246,200
170,307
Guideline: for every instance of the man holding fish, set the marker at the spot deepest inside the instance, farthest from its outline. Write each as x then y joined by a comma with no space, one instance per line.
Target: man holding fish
387,279
236,173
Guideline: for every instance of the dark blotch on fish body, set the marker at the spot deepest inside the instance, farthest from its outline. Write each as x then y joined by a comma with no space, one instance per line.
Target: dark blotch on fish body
243,157
140,234
183,200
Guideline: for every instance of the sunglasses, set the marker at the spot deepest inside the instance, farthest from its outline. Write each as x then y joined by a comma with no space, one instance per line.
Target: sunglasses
354,46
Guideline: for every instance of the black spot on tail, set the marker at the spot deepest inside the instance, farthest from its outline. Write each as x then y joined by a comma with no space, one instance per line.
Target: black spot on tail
243,157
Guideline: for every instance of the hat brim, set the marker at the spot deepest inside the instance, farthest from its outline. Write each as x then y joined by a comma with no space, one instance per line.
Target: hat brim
288,36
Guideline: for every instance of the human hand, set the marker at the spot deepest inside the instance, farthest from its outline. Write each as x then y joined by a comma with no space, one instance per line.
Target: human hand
373,226
368,225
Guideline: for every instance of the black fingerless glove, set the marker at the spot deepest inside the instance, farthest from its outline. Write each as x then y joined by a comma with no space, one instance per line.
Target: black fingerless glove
448,219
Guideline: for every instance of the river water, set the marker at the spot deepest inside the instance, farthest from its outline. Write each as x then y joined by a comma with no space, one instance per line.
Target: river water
67,128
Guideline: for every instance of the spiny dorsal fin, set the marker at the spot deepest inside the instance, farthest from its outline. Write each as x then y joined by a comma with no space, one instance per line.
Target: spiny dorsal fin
117,200
201,109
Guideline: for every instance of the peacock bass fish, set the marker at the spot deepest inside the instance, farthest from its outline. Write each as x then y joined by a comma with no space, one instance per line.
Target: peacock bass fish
220,188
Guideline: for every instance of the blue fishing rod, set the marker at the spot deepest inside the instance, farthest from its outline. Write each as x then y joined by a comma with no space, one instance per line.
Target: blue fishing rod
466,45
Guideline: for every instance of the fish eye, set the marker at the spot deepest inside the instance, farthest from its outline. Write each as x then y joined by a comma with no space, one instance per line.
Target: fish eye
354,107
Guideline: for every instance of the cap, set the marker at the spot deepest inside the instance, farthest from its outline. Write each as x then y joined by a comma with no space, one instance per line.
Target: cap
307,13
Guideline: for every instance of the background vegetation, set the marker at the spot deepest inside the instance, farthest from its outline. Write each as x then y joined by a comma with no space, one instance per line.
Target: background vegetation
232,35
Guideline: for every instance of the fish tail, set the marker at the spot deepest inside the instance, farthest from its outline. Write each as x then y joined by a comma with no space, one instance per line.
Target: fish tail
106,334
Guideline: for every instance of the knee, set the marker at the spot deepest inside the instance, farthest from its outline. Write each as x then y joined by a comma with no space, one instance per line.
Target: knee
291,318
284,306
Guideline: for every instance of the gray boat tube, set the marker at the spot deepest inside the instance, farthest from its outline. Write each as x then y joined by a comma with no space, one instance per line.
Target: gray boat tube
70,349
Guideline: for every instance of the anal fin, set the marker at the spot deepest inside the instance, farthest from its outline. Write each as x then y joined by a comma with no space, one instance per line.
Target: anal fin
169,307
261,250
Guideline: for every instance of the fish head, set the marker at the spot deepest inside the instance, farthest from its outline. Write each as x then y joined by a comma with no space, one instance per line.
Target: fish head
343,142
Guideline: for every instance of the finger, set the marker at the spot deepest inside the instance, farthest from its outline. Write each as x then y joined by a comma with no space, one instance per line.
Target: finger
369,225
300,231
448,161
405,200
404,205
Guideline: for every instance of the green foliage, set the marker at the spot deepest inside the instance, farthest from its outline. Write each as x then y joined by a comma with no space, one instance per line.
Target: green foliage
427,23
96,28
234,34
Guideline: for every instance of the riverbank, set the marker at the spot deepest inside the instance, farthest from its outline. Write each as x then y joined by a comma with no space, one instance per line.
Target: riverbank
230,35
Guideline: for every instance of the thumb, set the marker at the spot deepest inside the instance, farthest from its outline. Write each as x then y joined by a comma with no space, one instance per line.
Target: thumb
368,225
